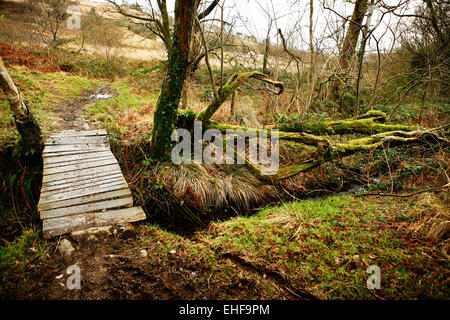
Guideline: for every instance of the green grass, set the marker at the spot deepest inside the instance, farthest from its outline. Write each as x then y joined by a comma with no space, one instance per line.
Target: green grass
126,99
326,246
42,91
18,254
110,111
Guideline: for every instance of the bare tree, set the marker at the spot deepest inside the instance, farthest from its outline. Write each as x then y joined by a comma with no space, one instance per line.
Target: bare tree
311,39
350,42
26,124
49,16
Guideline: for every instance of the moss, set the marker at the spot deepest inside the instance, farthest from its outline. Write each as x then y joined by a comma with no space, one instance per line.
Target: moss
166,113
186,118
367,123
376,114
293,170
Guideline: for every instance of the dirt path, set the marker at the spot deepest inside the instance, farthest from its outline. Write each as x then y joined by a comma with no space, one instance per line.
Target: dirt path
71,116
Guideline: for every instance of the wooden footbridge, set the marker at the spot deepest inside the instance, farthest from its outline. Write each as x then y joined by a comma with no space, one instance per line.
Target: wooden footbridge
83,185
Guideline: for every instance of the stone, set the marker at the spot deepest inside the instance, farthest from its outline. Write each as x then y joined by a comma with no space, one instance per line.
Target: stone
65,247
143,253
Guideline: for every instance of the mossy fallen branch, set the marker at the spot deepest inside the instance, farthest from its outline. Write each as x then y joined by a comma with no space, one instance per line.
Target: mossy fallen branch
232,84
370,122
331,151
325,149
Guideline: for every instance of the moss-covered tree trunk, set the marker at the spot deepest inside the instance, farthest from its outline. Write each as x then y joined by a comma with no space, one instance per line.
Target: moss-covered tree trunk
165,115
351,40
26,124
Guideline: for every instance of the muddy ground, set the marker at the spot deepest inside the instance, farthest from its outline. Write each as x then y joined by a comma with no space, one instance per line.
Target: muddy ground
70,115
113,267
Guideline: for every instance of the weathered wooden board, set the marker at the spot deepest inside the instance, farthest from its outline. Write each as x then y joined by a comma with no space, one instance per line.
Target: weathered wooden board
56,226
83,179
86,199
87,208
80,173
75,162
53,197
76,152
80,184
80,166
77,157
75,147
77,140
74,187
73,133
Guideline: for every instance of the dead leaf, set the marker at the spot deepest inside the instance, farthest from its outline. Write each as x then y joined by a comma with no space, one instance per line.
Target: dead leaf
365,262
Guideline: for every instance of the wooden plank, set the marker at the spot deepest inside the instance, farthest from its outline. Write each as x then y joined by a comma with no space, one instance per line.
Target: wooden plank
80,173
72,153
75,187
81,183
73,133
84,200
87,208
75,162
75,147
52,197
80,166
82,179
77,140
85,184
58,226
76,157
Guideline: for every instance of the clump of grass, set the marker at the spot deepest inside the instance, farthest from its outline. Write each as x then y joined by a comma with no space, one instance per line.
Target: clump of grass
213,187
432,220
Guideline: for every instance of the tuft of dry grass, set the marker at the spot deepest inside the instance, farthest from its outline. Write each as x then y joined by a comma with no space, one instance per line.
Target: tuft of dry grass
431,211
212,187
